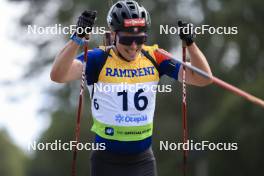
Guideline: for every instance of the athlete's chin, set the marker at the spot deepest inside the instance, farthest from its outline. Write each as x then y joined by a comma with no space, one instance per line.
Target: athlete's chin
131,57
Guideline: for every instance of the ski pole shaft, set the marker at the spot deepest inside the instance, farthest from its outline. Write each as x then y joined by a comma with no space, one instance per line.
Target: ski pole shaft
218,81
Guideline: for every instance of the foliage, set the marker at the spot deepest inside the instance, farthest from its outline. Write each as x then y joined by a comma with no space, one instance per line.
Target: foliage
213,114
13,162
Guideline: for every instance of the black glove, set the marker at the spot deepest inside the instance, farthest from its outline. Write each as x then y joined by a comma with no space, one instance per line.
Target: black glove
189,35
85,22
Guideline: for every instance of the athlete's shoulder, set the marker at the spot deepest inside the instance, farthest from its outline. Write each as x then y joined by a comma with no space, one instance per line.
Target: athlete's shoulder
150,48
96,53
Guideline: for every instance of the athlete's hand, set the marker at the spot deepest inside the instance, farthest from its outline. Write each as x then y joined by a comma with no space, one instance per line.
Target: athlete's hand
85,23
186,35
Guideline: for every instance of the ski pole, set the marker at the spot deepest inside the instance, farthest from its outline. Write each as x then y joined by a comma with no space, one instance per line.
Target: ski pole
218,81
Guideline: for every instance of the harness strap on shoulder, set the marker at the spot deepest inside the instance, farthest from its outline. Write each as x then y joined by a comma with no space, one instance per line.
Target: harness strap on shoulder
104,55
152,60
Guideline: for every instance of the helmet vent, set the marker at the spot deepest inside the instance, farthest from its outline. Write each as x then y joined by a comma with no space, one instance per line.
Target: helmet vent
116,18
118,5
134,16
132,7
124,15
143,14
129,2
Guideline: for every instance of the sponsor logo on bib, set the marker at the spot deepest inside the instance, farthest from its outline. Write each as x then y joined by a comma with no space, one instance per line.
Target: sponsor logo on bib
109,131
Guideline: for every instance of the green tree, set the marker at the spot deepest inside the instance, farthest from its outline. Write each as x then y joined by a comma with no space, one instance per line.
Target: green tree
13,161
213,113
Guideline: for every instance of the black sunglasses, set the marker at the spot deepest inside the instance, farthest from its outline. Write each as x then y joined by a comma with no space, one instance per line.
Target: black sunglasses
128,40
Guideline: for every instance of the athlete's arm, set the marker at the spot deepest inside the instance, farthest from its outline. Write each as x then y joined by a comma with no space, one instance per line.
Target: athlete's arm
65,67
174,70
166,65
198,60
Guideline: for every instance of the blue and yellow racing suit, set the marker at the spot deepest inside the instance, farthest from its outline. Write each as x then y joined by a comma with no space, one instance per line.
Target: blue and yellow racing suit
122,97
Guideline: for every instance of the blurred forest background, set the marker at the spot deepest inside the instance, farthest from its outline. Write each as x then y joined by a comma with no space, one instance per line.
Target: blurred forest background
213,113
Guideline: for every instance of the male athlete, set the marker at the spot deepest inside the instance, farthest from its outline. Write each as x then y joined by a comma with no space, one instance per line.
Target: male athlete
123,117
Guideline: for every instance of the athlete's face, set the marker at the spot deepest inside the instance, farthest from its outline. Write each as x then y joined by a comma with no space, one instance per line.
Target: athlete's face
129,45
